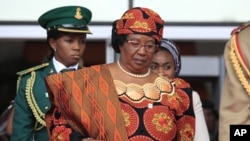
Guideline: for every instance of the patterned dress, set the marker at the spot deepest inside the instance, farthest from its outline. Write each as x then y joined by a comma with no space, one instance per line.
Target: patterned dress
97,106
157,112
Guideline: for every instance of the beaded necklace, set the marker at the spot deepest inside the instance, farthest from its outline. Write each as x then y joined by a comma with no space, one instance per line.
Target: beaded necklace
131,74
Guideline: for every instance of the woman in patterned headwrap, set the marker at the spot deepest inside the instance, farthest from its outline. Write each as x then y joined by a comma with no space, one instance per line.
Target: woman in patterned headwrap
125,100
167,62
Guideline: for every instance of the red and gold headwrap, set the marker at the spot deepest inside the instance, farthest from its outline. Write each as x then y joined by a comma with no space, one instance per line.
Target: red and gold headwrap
140,20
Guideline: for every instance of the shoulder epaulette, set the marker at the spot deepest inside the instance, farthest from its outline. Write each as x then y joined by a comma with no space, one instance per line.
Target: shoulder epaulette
240,28
32,69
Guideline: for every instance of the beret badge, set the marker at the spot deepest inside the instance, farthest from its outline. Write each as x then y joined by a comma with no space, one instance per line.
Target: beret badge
78,14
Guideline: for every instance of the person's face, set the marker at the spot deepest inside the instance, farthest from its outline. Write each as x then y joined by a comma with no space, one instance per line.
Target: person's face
137,52
69,48
163,64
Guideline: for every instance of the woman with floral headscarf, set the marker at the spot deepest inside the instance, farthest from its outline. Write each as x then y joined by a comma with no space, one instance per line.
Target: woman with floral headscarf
125,100
167,62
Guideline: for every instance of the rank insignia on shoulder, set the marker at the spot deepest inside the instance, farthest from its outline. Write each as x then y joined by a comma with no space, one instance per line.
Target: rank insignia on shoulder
32,69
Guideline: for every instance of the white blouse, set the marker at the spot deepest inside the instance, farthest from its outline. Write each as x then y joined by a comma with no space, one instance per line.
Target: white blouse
201,131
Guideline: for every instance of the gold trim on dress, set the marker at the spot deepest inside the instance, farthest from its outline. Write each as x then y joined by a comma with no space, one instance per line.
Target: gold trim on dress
151,91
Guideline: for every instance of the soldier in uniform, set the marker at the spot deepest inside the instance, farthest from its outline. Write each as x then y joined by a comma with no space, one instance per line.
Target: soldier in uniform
66,28
235,97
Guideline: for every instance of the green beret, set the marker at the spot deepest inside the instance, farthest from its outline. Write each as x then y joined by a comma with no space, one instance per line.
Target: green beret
67,19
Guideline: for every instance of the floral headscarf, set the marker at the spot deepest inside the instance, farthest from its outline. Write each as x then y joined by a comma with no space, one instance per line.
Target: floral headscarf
141,20
138,20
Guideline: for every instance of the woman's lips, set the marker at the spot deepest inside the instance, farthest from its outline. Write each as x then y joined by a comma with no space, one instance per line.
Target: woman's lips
140,61
76,56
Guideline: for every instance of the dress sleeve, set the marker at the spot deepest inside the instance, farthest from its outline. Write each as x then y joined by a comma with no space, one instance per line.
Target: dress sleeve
86,96
201,131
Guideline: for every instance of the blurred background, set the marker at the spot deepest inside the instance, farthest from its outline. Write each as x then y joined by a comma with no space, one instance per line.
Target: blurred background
200,29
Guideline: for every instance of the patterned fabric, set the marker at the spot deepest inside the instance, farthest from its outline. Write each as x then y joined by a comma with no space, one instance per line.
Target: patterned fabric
171,117
87,96
141,20
59,129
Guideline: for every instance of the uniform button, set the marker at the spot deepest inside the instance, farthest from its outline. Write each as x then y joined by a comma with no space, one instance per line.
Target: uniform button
46,107
46,95
51,71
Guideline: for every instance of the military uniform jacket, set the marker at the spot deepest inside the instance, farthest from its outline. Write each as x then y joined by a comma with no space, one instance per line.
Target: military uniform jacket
31,104
235,97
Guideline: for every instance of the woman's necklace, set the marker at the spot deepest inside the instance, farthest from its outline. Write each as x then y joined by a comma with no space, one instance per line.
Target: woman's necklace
131,74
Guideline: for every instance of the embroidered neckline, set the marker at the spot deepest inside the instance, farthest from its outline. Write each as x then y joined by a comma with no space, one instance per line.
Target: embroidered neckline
151,91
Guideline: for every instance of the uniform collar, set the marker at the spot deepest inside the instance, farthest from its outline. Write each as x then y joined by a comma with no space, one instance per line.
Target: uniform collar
59,66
